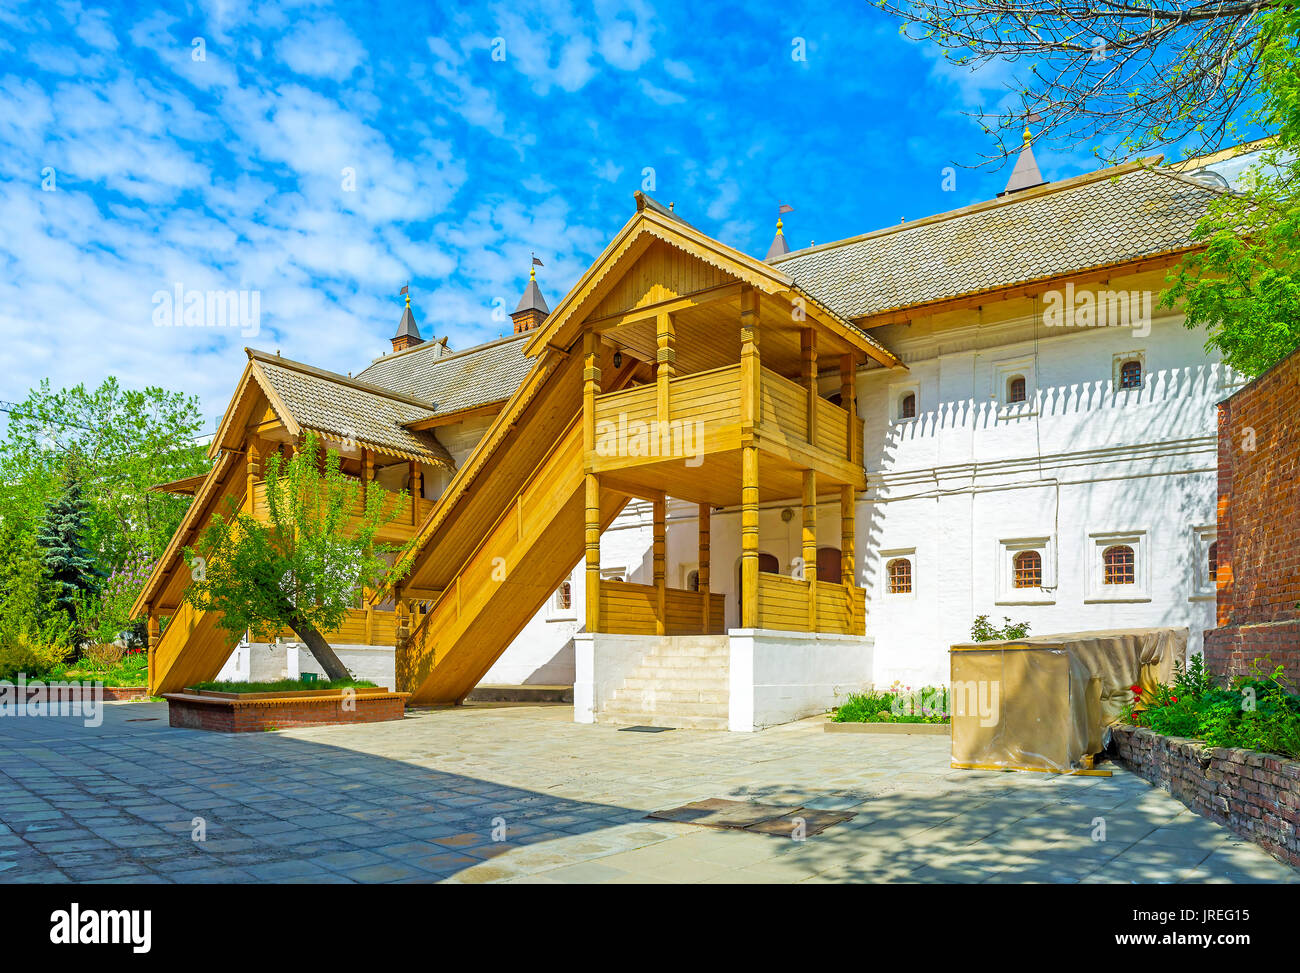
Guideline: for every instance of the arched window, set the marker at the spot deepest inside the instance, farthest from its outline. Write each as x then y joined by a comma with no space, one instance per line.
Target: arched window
1214,562
1130,374
564,596
1016,389
899,573
907,408
1028,569
1118,564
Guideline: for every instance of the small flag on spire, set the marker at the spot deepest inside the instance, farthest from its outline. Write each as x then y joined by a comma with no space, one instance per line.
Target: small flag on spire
783,209
406,289
537,263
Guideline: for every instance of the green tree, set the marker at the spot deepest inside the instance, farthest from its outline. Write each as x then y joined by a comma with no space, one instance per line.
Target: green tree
70,574
121,441
1244,287
302,567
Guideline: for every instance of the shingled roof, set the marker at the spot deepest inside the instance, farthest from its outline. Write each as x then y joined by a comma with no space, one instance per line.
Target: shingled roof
1109,217
458,381
345,409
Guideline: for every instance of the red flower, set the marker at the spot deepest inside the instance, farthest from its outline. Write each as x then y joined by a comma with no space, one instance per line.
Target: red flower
1173,699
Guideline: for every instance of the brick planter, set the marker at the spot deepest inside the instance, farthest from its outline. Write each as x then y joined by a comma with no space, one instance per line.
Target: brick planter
1255,794
253,712
43,692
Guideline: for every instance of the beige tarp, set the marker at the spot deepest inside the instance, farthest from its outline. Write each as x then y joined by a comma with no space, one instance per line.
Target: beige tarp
1042,703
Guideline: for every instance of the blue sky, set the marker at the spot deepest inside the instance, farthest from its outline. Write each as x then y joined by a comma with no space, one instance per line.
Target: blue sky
228,172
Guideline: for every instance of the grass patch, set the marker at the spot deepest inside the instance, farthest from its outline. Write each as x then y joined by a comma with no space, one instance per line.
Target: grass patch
283,685
132,669
894,705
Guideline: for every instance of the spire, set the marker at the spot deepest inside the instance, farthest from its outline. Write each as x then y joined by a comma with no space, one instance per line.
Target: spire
1025,174
779,247
532,309
408,333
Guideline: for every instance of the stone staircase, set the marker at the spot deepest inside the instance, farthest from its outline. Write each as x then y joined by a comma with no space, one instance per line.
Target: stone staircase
682,682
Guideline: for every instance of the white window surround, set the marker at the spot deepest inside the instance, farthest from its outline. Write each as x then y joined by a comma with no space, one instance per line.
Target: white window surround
1098,592
1003,372
1203,585
1117,363
897,391
555,613
894,554
1007,592
686,571
613,574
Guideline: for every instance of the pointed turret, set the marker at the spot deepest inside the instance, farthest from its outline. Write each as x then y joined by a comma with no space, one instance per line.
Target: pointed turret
1025,174
779,247
532,309
408,332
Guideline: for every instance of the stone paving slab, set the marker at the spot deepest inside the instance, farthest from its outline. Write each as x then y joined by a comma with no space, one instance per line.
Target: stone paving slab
520,794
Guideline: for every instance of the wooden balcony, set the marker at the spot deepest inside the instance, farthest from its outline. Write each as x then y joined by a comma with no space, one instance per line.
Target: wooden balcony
785,604
406,517
633,609
705,417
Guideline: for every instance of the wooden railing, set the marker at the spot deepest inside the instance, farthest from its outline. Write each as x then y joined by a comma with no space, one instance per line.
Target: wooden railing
633,609
784,605
711,402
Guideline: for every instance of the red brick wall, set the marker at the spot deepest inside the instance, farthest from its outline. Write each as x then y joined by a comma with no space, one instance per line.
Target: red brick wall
1257,795
1259,526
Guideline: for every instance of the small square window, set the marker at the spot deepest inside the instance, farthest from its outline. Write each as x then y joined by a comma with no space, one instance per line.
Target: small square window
900,576
1121,567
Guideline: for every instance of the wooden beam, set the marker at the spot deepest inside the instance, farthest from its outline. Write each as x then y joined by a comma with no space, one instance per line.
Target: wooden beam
590,388
750,364
848,536
749,537
849,403
809,546
710,295
808,375
448,418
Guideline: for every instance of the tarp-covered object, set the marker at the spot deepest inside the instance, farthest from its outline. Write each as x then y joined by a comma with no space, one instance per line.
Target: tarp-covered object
1042,703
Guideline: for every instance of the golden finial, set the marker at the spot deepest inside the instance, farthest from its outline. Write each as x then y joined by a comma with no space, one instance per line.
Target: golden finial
1026,134
532,274
779,224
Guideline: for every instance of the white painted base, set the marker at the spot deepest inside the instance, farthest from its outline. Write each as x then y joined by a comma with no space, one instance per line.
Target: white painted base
267,662
600,664
778,677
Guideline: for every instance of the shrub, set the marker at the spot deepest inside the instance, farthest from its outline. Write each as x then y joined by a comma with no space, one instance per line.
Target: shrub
897,705
31,655
1254,713
101,655
985,631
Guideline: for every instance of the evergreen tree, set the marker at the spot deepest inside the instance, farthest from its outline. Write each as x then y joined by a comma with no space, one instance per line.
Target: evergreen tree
69,569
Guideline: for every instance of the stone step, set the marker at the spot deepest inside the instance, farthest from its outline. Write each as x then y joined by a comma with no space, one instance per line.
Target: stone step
675,680
686,661
661,719
671,697
638,704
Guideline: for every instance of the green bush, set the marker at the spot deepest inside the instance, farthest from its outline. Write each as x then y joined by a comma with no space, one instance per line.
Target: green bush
899,704
282,685
985,631
30,655
1253,713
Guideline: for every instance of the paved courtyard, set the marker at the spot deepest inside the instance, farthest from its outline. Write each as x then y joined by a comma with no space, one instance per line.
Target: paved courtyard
430,798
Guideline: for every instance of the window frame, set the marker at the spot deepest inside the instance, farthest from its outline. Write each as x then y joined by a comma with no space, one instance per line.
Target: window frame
1021,366
1117,365
1098,592
1006,550
1204,587
889,556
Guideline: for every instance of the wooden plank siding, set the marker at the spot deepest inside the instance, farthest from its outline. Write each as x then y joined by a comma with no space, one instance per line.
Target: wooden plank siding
405,517
632,609
783,605
361,626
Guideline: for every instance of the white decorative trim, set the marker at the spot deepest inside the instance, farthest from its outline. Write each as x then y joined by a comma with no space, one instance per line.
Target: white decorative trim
897,392
1117,363
1007,592
1022,366
1098,592
1204,587
893,554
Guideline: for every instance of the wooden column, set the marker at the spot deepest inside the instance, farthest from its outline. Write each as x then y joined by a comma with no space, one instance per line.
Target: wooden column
660,574
367,473
253,466
590,387
848,536
848,401
702,572
750,408
808,371
417,492
592,485
665,366
750,363
809,552
154,637
749,537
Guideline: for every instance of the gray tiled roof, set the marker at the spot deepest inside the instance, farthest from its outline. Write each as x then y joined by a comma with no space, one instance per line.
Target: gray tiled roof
462,380
1045,232
337,407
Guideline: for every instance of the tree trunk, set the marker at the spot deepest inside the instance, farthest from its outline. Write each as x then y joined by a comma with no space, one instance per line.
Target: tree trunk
320,649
